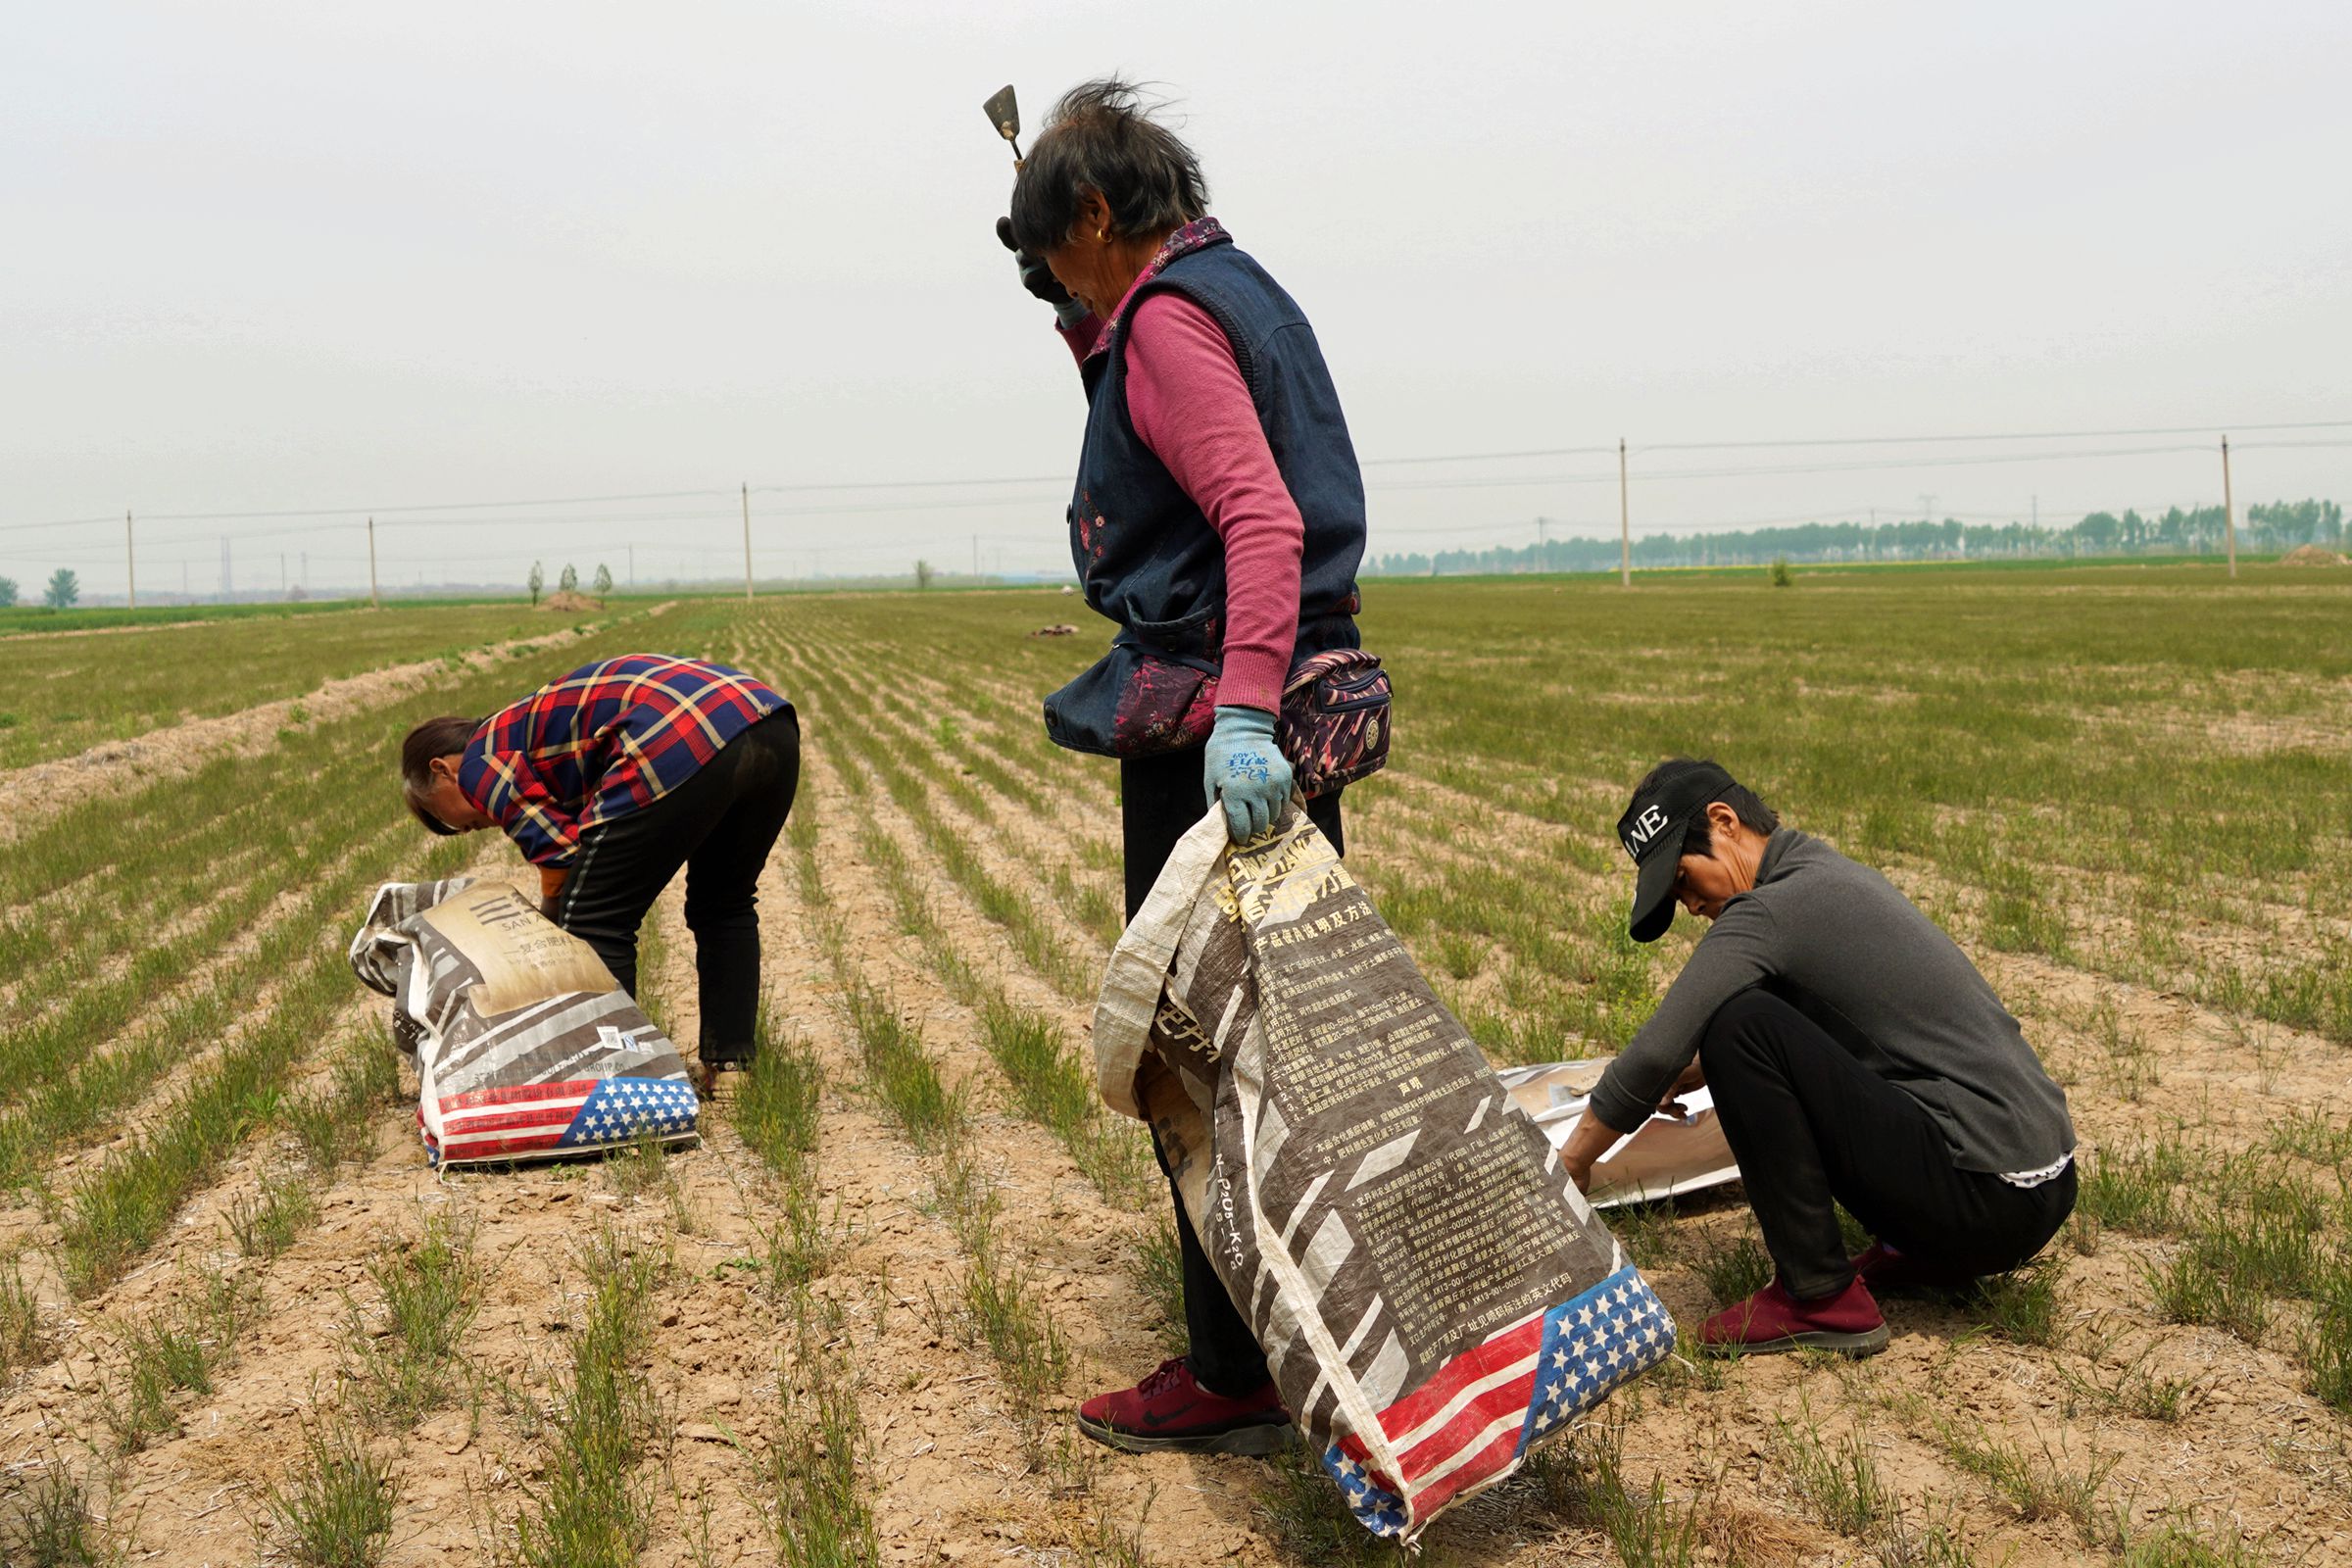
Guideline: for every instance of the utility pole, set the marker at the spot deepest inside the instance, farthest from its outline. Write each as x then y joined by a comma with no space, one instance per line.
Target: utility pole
305,572
1625,525
228,576
975,558
281,574
632,565
747,541
130,562
2229,510
1540,524
374,600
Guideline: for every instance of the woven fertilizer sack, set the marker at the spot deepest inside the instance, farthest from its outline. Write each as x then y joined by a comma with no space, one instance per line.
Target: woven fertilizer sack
524,1046
1433,1294
1680,1149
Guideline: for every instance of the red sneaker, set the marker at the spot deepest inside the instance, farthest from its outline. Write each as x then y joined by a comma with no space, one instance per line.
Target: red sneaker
1168,1410
1771,1320
1888,1272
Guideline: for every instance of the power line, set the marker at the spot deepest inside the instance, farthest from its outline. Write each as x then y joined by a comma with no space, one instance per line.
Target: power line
1503,481
413,513
1852,441
1491,456
919,484
2012,435
360,514
1565,527
1876,464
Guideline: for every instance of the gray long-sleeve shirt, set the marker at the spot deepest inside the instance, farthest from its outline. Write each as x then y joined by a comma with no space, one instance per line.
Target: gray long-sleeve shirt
1840,943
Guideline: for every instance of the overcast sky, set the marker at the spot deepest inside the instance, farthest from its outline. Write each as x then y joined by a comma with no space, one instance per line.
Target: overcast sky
334,257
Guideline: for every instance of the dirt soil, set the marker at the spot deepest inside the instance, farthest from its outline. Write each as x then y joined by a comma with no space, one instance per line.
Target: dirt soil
2253,1453
39,792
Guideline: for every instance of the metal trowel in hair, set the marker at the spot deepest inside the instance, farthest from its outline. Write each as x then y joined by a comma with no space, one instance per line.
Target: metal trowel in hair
1004,113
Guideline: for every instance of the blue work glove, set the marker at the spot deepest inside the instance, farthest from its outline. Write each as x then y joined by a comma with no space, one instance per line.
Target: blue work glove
1246,770
1039,279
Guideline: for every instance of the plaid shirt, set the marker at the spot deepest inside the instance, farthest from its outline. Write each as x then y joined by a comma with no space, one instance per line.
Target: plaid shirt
608,739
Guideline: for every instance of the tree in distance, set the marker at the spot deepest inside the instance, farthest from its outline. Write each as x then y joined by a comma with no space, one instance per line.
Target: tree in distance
8,592
604,581
1782,576
537,581
923,574
65,590
570,582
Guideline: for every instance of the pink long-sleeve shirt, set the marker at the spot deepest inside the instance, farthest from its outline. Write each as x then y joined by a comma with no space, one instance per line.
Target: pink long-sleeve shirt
1187,402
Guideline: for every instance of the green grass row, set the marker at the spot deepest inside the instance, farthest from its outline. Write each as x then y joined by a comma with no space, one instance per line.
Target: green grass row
2099,761
331,790
994,1306
62,695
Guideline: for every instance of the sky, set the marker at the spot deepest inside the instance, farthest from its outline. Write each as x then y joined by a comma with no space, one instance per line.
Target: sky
456,266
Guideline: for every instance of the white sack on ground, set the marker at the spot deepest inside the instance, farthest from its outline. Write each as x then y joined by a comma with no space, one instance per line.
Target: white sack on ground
1433,1294
525,1047
1666,1156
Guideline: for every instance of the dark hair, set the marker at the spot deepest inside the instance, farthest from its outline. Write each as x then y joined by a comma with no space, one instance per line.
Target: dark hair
445,736
1699,837
1101,137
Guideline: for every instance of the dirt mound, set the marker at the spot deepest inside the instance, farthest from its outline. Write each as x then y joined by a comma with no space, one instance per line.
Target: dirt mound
2311,556
40,790
569,604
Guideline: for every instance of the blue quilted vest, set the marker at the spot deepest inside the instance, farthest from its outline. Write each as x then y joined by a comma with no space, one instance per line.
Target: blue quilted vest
1146,557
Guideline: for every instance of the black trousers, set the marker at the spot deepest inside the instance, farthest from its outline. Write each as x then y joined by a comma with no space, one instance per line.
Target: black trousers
1810,1123
1159,801
719,826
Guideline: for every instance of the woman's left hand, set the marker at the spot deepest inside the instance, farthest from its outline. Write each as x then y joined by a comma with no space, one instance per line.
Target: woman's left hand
1246,771
1039,279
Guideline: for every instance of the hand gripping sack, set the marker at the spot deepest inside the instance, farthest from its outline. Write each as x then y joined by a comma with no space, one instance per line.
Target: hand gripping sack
525,1047
1433,1294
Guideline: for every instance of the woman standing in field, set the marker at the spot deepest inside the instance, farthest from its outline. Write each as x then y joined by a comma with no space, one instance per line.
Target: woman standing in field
1218,519
610,780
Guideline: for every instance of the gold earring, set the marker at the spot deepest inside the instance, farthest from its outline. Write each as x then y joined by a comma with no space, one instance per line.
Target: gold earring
1098,236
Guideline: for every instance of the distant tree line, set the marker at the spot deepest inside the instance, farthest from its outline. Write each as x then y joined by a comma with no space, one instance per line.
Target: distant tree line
2263,528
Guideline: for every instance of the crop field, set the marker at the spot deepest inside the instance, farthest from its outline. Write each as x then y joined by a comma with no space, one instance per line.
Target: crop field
70,692
242,1321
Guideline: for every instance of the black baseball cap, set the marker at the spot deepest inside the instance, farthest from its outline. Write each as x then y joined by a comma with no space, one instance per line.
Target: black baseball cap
1651,831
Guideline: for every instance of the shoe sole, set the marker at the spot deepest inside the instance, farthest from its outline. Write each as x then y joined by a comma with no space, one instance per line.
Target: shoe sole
1852,1346
1252,1441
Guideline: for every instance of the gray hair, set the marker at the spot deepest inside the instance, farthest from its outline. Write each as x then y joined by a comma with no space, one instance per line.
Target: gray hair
1101,137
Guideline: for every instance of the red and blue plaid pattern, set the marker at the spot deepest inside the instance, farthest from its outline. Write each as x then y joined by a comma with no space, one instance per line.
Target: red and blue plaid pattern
608,739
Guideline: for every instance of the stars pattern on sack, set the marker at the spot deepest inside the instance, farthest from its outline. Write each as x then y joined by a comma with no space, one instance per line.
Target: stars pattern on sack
1593,1344
619,1109
1377,1509
1588,1345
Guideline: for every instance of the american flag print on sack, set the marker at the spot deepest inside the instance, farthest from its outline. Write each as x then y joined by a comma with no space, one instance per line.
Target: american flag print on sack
554,1118
525,1047
1434,1295
1475,1422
